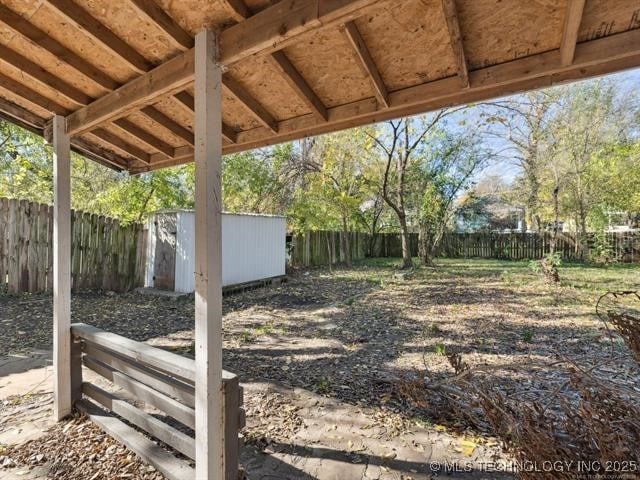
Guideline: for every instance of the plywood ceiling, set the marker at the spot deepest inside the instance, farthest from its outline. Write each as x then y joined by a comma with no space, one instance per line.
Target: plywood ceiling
385,59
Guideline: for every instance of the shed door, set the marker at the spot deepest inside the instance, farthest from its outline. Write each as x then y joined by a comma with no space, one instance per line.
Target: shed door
165,261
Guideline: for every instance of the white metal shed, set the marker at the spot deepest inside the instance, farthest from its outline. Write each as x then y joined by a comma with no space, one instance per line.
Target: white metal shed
253,248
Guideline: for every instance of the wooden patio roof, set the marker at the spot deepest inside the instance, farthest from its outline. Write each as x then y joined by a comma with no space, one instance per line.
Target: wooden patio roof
121,71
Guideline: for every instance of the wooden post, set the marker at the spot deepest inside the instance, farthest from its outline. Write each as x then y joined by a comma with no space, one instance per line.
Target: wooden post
208,261
61,269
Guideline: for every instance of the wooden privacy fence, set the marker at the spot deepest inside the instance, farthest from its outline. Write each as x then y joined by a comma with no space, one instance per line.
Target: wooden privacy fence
104,254
618,246
312,248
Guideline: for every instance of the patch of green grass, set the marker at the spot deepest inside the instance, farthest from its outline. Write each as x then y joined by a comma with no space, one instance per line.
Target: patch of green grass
422,422
323,386
527,335
435,329
246,337
264,329
440,349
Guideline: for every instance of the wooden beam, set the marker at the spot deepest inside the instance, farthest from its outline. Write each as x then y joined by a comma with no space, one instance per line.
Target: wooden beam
455,37
592,58
33,123
110,41
61,269
572,20
99,154
208,261
281,63
22,26
38,73
255,108
366,62
72,93
161,18
265,32
187,101
21,116
21,90
166,79
166,122
121,145
125,125
145,137
238,9
299,85
283,23
101,34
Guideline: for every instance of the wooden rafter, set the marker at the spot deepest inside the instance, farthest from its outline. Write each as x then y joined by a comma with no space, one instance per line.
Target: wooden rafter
22,26
298,84
187,101
282,64
44,77
455,37
572,20
170,77
30,95
21,116
174,127
366,62
147,138
100,33
261,114
261,33
282,24
592,58
92,26
266,34
162,19
122,145
99,154
128,54
238,9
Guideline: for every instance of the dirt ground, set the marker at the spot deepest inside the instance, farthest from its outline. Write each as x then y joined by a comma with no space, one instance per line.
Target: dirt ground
323,359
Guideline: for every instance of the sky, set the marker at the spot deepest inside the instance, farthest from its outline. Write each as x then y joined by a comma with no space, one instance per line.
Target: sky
629,80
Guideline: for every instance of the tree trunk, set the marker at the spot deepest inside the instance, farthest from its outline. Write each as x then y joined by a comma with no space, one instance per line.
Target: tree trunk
346,244
583,231
406,247
329,250
428,244
556,221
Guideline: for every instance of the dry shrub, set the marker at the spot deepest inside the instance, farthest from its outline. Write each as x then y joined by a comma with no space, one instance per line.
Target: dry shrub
598,429
622,311
589,420
594,420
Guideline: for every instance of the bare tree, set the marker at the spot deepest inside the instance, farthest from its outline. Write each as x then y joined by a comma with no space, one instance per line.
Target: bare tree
401,141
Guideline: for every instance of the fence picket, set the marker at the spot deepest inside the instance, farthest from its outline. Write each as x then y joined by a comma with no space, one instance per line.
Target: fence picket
310,248
105,254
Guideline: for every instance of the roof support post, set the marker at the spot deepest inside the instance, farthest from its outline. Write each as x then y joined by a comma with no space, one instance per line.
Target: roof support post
208,260
61,269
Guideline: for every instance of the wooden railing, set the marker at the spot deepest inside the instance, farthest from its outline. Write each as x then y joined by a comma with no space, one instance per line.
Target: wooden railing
159,379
